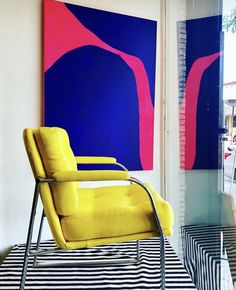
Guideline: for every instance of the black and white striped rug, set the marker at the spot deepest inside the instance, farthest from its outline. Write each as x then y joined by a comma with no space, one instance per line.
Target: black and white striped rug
205,247
144,275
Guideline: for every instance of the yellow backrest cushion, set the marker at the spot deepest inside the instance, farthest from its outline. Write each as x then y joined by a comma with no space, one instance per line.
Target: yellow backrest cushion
55,151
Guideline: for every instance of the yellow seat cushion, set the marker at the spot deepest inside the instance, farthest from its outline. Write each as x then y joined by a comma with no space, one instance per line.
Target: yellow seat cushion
115,211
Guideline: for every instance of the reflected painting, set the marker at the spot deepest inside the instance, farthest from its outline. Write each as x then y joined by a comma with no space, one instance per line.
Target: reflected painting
200,91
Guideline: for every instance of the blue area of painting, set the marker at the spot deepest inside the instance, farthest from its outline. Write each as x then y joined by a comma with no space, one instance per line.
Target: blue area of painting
131,35
105,99
203,38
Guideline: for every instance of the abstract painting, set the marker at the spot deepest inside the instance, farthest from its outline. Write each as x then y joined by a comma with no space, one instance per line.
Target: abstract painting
99,81
200,92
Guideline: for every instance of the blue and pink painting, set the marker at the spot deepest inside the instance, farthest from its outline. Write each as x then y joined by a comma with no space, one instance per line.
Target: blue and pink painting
201,102
99,81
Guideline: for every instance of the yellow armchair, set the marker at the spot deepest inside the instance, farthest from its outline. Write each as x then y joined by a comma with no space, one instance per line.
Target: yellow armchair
85,217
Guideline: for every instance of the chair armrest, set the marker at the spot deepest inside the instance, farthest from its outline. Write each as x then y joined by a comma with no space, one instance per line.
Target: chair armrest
98,160
95,160
90,175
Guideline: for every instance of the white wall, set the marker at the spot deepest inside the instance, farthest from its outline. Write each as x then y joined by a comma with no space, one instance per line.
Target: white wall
175,11
20,93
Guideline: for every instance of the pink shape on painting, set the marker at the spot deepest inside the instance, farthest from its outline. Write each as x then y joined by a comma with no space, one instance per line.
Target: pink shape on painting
188,109
63,32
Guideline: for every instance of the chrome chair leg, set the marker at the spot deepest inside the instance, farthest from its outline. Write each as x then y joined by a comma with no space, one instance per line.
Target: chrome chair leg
162,263
159,228
29,236
138,250
39,237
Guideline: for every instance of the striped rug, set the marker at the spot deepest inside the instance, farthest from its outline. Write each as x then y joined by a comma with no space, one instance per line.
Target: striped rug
205,247
144,275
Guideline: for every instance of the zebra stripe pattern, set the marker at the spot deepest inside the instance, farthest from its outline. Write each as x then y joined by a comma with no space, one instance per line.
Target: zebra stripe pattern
144,275
205,247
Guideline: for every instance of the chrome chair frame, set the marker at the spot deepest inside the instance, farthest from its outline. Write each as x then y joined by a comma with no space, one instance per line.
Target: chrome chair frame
37,252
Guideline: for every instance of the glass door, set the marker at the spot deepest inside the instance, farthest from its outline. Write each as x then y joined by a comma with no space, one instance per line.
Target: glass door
229,96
